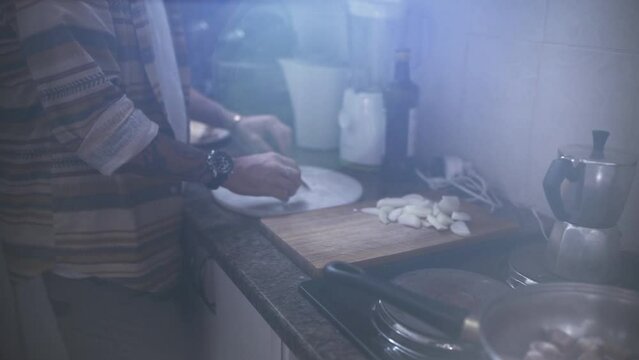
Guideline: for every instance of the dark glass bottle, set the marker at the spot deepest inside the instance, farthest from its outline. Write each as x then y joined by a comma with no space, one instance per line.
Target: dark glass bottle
400,96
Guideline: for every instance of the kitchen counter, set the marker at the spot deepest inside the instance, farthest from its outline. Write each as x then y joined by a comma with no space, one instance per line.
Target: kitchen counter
270,280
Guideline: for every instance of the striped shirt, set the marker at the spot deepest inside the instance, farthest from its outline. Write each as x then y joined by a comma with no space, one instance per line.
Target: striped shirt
79,97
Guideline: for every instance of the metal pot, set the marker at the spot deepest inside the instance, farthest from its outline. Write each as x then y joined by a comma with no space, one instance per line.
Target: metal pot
505,327
587,185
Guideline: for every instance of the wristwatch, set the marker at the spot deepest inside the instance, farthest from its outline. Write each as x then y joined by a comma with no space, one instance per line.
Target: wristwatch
220,165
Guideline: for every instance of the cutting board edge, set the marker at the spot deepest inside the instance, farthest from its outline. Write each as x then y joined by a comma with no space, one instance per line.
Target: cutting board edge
433,249
290,252
312,270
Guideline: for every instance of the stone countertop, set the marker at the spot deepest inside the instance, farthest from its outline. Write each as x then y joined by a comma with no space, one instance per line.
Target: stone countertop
270,280
267,278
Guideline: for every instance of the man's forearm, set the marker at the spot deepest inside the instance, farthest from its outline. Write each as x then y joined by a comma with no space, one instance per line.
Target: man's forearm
209,112
171,160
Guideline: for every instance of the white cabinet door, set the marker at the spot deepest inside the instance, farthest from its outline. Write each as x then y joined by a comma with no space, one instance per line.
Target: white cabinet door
236,331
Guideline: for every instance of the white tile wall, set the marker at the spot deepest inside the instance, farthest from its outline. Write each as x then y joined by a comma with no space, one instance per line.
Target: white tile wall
518,19
441,96
628,222
605,24
508,81
444,48
450,14
500,83
321,29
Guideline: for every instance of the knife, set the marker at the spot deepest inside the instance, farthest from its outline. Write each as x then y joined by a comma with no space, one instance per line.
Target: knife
305,185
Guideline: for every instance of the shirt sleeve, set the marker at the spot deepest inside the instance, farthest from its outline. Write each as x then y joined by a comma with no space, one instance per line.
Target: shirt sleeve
70,48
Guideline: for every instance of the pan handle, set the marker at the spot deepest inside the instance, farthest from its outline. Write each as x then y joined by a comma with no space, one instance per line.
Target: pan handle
446,318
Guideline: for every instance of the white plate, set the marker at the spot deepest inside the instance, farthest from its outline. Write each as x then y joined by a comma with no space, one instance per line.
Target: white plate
202,134
328,188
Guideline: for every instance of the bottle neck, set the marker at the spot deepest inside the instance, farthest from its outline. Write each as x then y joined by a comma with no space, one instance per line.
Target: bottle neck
402,71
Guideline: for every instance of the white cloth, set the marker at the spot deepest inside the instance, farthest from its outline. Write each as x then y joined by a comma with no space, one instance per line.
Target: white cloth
167,69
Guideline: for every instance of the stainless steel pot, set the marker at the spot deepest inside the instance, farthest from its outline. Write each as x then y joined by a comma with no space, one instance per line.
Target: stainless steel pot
505,328
588,185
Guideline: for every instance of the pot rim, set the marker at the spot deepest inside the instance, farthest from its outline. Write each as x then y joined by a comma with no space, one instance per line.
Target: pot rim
567,287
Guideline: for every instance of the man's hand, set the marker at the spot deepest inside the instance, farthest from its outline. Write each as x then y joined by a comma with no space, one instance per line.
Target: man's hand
254,134
263,133
266,174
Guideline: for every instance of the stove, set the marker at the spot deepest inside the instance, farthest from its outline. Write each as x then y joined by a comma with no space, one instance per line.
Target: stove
526,267
384,332
350,311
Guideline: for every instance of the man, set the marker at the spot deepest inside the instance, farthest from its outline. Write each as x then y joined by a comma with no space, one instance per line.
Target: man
93,153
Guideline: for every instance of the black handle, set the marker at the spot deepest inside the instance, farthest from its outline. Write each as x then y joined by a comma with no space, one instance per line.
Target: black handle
599,138
448,319
557,172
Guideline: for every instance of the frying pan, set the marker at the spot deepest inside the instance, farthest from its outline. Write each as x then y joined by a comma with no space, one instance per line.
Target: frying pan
506,326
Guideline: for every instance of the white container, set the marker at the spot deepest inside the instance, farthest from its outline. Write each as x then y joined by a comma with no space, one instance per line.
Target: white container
377,9
316,95
376,31
362,128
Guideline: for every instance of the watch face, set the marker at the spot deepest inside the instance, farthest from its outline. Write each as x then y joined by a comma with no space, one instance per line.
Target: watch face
223,163
220,165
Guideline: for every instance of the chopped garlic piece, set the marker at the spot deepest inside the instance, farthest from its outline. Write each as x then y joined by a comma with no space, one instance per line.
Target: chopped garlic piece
392,202
410,220
395,214
448,204
460,216
419,211
460,228
370,211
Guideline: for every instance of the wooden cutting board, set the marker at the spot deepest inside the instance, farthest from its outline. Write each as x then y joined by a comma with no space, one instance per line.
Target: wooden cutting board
314,238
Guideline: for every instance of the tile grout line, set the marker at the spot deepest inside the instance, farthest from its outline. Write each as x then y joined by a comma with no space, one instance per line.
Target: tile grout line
634,53
531,128
535,113
545,28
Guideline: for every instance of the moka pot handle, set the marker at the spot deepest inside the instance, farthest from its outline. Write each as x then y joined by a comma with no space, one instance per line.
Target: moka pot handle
557,172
